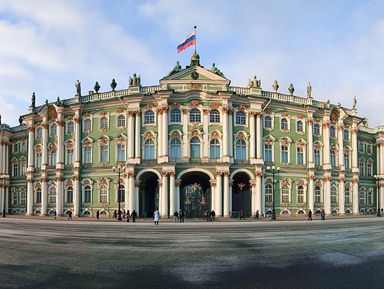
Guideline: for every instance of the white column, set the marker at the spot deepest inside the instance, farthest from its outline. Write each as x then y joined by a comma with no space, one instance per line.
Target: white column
230,136
382,159
341,195
213,194
252,135
218,195
310,141
381,196
60,143
258,189
378,158
205,135
44,197
185,135
177,195
45,145
137,205
130,135
164,196
77,141
31,138
340,144
311,204
226,194
165,132
160,132
131,188
59,196
355,195
326,158
2,192
137,136
29,197
354,149
225,134
172,197
127,198
230,197
327,193
259,137
76,197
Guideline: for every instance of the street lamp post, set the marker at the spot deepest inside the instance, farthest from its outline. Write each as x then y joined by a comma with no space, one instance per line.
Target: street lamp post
378,195
118,169
273,169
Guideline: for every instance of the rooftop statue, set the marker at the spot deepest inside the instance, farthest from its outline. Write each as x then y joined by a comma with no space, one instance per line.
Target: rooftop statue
215,70
0,118
309,90
96,87
354,102
134,80
78,88
46,101
33,100
254,83
58,101
113,84
177,68
291,89
275,85
20,120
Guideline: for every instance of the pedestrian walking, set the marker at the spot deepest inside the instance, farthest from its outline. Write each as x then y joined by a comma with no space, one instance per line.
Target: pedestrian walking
309,215
156,217
69,215
322,214
213,215
242,217
181,216
175,216
97,214
257,214
114,214
128,216
55,214
206,215
133,216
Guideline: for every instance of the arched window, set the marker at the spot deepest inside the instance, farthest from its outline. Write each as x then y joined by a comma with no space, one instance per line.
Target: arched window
69,195
52,158
284,124
15,197
70,127
347,195
38,195
149,149
284,154
316,129
361,167
214,116
103,194
268,152
299,126
268,193
369,168
175,115
52,129
149,117
241,150
346,134
23,166
333,157
332,131
285,194
87,194
175,149
104,153
317,194
87,125
23,196
362,196
103,123
121,121
120,152
15,168
69,156
194,115
214,149
300,194
267,121
39,133
346,158
240,118
121,194
195,147
52,195
334,195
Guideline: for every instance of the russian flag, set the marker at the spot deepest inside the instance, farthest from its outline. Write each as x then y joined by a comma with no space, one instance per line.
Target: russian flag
188,41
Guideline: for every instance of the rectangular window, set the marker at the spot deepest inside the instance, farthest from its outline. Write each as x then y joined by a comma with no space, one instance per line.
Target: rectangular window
268,152
15,148
103,154
38,160
369,148
120,152
300,156
317,157
346,160
15,169
284,154
24,147
333,158
69,157
87,155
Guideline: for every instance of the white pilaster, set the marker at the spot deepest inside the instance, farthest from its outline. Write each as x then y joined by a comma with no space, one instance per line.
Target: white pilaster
311,203
131,188
259,138
230,197
185,135
341,195
164,196
258,189
172,197
44,197
205,135
137,206
230,137
29,197
252,135
137,136
218,195
130,135
76,197
126,194
340,144
225,134
59,195
226,194
326,152
165,133
177,195
327,193
160,133
77,153
45,144
354,148
213,194
31,138
355,195
310,140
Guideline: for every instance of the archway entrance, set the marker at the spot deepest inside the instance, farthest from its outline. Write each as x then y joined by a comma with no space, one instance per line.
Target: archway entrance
148,194
195,194
241,195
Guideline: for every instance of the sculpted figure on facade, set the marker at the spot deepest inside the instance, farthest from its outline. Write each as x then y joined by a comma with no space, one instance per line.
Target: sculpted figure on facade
78,88
96,87
134,80
176,69
215,70
113,84
254,83
275,85
309,90
291,89
33,100
354,102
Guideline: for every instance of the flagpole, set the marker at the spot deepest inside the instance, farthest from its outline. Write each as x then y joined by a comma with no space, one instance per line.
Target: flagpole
195,37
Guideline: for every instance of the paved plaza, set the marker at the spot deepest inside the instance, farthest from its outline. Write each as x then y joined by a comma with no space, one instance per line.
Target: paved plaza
338,253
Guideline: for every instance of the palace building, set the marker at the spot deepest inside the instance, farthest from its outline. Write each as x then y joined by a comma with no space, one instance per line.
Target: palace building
195,143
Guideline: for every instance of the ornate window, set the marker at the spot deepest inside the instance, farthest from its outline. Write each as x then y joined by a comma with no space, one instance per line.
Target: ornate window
361,147
104,123
346,134
214,149
362,196
240,118
104,153
52,157
52,195
285,194
362,167
300,194
334,194
194,115
24,147
120,147
195,147
268,192
69,195
15,197
369,168
38,196
53,129
87,154
23,196
23,166
268,122
346,158
121,121
87,194
121,194
214,116
268,152
284,124
70,127
149,117
69,155
317,156
15,148
332,131
333,157
39,132
149,149
175,149
284,153
300,155
15,168
317,194
369,197
38,157
299,126
175,115
241,150
87,125
103,194
369,148
347,195
316,129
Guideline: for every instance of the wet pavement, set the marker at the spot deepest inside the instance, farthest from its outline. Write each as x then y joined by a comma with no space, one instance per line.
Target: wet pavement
337,253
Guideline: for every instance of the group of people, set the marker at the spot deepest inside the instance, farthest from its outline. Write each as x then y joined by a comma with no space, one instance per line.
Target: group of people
322,215
179,216
210,215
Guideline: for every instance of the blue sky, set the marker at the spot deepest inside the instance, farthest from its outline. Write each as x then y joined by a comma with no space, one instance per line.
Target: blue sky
45,46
